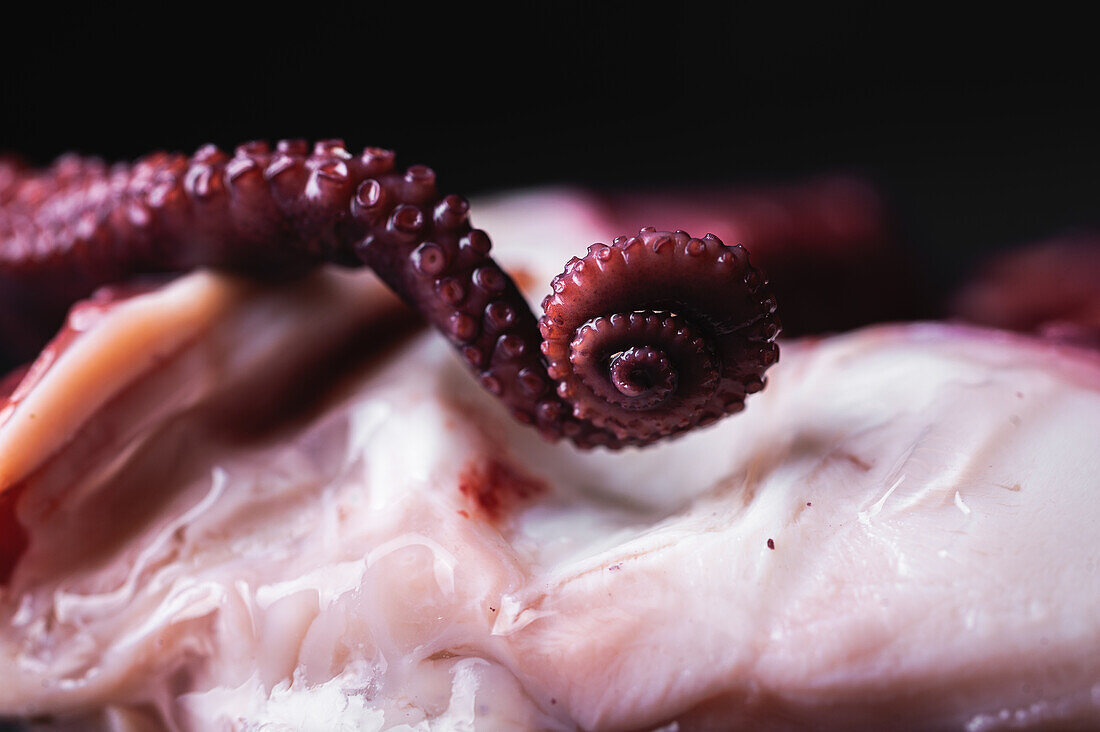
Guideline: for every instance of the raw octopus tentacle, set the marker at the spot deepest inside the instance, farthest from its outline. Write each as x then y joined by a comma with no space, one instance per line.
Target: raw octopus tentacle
645,338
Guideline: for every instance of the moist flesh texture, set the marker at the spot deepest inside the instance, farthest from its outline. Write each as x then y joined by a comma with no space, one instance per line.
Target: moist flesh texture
899,531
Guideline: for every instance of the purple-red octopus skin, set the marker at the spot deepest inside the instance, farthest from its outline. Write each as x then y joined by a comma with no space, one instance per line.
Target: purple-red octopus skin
642,339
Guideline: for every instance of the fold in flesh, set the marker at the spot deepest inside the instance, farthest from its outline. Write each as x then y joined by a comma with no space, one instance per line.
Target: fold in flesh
898,532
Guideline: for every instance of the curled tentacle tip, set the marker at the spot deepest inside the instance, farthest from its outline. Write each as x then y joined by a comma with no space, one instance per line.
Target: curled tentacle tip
642,339
656,334
644,375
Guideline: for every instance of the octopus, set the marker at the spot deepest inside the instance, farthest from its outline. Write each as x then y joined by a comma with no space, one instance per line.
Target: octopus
641,339
896,533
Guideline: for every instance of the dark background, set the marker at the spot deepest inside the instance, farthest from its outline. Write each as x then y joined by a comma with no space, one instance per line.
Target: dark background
982,128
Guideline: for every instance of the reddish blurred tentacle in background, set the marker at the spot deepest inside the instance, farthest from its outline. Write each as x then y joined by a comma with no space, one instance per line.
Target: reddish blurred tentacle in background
644,338
1051,288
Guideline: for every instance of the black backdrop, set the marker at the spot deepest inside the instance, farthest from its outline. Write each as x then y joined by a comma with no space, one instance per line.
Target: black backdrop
982,128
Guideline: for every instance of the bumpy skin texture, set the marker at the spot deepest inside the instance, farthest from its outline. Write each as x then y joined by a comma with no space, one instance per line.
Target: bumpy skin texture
646,338
643,353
